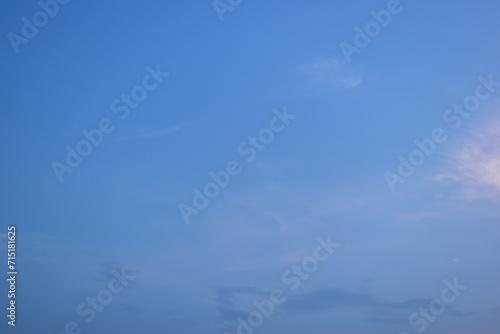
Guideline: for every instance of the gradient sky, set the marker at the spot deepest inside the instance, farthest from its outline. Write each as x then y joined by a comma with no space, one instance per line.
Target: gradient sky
323,175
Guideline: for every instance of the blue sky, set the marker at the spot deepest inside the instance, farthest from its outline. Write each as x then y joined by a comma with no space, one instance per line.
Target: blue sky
323,175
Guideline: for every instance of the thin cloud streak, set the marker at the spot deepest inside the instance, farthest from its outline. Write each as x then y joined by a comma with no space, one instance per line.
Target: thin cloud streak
328,73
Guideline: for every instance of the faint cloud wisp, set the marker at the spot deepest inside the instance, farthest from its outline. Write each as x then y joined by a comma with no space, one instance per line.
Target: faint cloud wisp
476,164
328,73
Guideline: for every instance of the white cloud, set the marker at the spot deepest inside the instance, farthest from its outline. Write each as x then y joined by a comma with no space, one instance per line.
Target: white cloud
476,164
330,74
418,217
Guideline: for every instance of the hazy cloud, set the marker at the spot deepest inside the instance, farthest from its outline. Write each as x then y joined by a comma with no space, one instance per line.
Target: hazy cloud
476,164
330,74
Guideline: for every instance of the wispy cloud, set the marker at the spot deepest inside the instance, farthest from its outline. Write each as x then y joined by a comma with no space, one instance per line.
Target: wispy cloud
460,314
342,298
330,74
231,304
476,164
